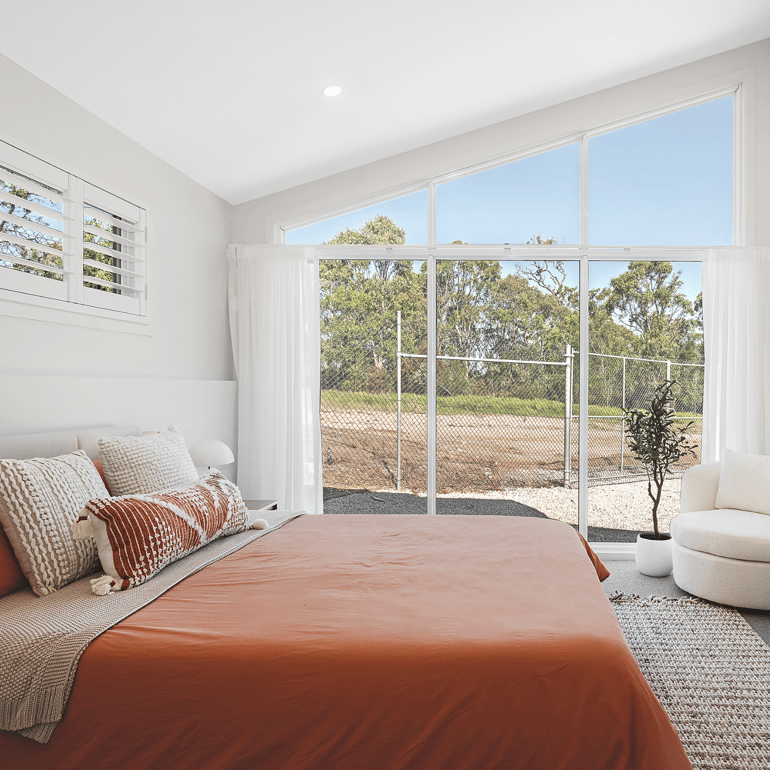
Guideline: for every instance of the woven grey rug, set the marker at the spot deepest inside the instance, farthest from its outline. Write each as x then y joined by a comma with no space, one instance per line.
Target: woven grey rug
710,672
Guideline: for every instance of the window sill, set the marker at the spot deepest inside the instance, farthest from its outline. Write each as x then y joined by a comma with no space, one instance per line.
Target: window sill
35,308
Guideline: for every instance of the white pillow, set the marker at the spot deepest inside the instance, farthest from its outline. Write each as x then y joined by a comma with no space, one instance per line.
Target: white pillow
744,482
140,465
39,502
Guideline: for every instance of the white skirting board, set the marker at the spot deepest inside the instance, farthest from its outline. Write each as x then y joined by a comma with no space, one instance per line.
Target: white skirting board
614,551
199,408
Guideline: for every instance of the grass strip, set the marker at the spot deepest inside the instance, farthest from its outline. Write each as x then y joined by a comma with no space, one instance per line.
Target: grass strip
465,404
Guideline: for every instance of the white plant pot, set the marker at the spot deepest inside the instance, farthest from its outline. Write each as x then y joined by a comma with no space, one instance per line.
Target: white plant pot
654,557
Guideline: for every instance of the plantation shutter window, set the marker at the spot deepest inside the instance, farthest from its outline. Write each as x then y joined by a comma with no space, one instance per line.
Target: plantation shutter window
66,239
36,252
113,252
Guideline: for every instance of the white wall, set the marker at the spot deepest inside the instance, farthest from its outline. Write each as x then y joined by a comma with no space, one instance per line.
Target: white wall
56,375
253,221
199,408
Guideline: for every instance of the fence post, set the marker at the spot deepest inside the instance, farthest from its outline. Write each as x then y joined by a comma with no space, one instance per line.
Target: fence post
568,416
398,399
623,421
668,370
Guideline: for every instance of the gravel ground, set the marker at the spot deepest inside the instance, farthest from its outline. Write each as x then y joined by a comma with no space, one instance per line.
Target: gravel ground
615,512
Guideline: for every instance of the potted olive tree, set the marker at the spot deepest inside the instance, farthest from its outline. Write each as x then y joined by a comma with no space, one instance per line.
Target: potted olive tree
658,444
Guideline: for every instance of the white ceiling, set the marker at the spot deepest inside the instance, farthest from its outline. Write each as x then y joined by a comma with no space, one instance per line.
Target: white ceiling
229,92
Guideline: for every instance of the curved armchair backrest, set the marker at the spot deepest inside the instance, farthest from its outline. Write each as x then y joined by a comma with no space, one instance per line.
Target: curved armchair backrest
699,487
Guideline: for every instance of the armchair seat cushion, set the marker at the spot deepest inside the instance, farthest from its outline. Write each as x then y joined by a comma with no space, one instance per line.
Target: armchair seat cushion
725,532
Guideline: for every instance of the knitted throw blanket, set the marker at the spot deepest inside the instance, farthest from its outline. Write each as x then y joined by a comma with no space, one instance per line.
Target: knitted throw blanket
42,638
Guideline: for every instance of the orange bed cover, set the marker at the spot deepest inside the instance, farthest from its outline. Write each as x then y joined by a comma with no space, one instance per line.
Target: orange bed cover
371,642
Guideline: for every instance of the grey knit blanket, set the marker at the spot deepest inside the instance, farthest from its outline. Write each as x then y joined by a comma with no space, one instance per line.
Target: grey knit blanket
42,638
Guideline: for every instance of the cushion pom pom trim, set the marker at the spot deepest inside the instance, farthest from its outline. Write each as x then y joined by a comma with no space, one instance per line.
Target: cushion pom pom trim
82,529
103,585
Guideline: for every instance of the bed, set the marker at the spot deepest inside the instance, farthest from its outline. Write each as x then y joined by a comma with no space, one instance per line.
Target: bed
369,641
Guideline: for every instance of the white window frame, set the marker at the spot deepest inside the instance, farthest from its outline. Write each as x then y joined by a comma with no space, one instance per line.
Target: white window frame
583,253
736,89
75,304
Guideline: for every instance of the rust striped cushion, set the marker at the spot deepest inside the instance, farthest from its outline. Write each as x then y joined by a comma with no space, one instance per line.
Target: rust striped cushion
138,535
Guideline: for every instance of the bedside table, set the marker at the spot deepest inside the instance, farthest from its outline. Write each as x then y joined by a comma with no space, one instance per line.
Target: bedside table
261,505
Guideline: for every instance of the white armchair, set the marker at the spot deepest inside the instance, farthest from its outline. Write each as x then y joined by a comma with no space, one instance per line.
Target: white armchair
720,554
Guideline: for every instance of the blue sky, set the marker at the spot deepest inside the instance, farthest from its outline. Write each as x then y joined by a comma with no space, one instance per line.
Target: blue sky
664,182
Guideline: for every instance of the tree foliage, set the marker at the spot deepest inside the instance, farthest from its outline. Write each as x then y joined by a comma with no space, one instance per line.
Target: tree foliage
359,301
647,299
531,314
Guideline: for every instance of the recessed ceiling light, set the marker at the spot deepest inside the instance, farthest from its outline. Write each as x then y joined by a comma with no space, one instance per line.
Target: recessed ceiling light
332,91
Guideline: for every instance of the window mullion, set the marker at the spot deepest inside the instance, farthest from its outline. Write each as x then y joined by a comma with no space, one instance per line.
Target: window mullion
432,214
584,191
76,193
583,401
739,171
431,486
70,241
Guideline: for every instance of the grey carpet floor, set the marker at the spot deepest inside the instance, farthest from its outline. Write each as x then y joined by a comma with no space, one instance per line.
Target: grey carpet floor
625,577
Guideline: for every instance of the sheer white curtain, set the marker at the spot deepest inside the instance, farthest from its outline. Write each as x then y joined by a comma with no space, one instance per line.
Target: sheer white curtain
274,323
736,328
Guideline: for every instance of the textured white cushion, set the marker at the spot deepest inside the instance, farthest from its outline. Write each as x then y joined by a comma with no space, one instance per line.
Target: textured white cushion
40,500
734,534
140,465
699,487
744,482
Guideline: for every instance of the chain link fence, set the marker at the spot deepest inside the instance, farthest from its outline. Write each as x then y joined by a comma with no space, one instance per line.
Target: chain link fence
360,411
500,424
618,382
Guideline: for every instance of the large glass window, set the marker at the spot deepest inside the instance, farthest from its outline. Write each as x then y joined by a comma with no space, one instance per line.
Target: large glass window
374,384
506,437
666,181
505,424
645,327
514,203
367,225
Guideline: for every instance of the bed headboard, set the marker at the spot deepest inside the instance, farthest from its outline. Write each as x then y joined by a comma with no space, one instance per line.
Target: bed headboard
61,442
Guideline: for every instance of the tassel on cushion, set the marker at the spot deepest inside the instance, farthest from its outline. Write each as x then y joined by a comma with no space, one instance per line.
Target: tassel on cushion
103,585
82,529
258,524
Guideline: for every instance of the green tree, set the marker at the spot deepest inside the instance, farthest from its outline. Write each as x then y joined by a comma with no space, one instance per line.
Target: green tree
380,231
647,299
463,291
359,301
463,294
527,323
549,275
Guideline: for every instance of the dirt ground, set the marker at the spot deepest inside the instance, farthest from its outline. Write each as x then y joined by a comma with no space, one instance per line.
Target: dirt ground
474,453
